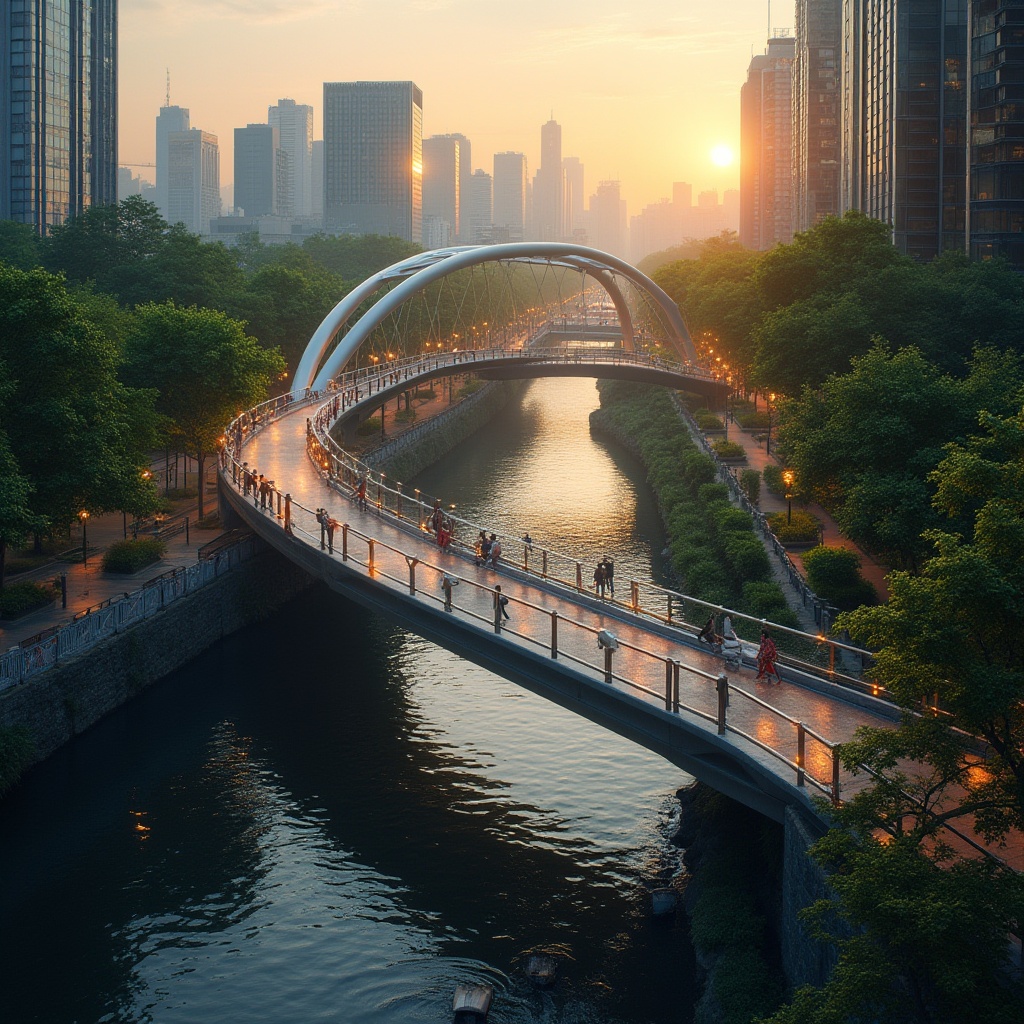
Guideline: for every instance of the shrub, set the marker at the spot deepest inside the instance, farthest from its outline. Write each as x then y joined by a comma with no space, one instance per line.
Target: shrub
750,481
728,450
16,750
753,420
405,416
708,493
21,598
802,527
773,479
747,556
424,393
471,387
698,469
368,426
834,575
732,520
132,555
708,420
763,598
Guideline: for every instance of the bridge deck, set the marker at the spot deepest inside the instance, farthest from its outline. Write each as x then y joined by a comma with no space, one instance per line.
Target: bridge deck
639,665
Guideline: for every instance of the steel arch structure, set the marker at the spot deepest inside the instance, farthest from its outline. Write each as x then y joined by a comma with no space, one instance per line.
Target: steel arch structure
319,364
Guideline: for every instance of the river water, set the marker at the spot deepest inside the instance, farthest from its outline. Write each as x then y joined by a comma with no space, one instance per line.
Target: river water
325,818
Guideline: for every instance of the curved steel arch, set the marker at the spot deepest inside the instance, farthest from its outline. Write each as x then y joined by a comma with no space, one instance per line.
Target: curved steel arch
421,270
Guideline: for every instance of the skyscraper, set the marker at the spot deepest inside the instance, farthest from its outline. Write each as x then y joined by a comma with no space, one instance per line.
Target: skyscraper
294,124
261,172
169,119
477,222
766,147
442,187
608,219
908,130
996,125
548,191
317,178
58,109
509,211
816,112
193,179
574,198
373,158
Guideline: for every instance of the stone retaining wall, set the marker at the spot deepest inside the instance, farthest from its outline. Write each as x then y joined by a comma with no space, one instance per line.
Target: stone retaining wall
59,704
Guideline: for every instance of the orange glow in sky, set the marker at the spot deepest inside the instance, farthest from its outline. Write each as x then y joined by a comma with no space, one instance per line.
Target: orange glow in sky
645,92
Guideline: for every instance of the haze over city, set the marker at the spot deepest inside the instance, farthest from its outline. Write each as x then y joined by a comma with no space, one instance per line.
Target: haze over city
648,95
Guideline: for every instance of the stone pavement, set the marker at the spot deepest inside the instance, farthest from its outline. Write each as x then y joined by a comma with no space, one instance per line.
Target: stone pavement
757,458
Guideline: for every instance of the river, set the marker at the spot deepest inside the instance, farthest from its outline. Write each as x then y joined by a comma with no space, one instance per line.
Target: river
326,818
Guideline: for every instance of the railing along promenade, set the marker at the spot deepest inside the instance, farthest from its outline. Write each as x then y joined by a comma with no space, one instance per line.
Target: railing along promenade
661,681
93,625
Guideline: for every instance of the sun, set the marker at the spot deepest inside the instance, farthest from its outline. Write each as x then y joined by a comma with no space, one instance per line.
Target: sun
721,155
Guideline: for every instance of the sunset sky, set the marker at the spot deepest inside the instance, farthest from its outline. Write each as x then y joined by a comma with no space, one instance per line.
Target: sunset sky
644,91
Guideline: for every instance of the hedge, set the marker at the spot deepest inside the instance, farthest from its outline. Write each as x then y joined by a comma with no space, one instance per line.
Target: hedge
128,556
729,450
834,575
802,526
21,598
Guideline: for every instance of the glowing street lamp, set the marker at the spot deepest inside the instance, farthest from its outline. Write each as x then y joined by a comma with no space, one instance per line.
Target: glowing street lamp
768,438
787,479
83,517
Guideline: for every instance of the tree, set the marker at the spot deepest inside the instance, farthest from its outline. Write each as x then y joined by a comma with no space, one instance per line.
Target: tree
19,245
16,519
204,368
75,432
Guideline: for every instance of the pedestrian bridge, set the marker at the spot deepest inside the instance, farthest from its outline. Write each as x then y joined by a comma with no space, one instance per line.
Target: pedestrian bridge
768,747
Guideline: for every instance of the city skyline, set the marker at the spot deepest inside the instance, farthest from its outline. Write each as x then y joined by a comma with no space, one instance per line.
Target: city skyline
620,85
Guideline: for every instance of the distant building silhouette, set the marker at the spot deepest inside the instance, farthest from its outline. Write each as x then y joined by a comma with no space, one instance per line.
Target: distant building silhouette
477,228
262,172
548,190
193,179
442,189
373,158
575,196
168,120
509,214
294,124
58,109
766,147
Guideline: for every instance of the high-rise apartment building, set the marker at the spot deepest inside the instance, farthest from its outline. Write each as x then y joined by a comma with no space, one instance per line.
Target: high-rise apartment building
548,191
574,200
906,100
996,126
193,179
373,158
262,172
442,191
509,214
58,109
294,124
766,147
816,114
168,120
479,199
317,179
607,219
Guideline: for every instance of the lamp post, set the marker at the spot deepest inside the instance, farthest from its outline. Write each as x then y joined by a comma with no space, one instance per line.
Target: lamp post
787,479
768,436
83,517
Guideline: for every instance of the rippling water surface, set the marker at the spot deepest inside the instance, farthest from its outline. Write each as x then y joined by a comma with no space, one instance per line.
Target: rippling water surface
325,818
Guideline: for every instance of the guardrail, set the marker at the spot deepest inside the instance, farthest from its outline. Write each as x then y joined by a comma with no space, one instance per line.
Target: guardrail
651,677
645,598
47,649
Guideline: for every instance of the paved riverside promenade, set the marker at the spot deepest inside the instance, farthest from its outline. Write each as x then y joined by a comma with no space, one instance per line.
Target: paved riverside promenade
278,451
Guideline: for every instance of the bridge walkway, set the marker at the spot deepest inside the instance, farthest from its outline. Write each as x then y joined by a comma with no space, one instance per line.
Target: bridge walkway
762,719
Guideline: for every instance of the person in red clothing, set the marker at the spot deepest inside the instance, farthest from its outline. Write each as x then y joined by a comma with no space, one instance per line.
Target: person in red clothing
767,655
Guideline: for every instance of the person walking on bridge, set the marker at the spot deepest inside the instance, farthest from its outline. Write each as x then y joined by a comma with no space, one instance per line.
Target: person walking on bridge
599,579
361,491
767,655
609,574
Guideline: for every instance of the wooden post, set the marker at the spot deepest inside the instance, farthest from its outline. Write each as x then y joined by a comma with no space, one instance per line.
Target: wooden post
398,500
608,665
723,701
579,577
835,777
675,687
634,595
344,542
554,634
369,563
288,513
544,564
412,573
668,684
801,738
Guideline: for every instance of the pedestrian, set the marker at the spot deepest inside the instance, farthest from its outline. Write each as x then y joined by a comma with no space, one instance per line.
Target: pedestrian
361,491
444,533
500,604
495,552
732,649
599,579
246,478
484,549
707,635
332,524
436,516
767,655
609,574
528,541
321,518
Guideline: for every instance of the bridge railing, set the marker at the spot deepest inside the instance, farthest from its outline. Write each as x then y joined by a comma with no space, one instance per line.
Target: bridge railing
647,675
818,655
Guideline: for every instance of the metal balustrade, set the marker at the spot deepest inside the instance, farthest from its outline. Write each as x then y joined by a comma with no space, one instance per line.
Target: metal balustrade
28,659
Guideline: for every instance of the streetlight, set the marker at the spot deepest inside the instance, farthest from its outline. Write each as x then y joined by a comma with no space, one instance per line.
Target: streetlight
787,479
84,518
768,437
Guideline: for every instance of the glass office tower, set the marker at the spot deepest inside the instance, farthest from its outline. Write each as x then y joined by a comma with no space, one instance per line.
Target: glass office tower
58,109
